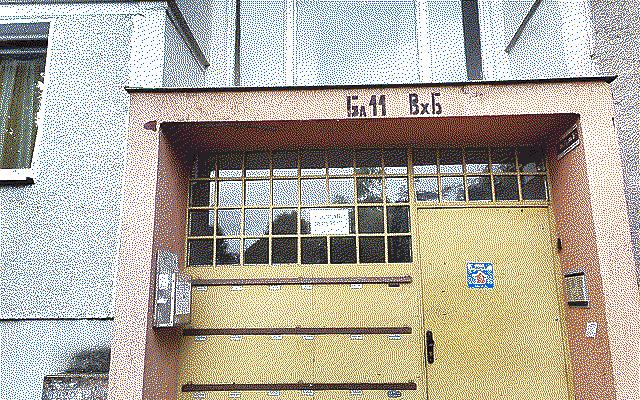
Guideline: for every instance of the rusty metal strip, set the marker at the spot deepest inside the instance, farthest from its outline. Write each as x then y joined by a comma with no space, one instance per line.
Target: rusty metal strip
297,386
404,330
301,281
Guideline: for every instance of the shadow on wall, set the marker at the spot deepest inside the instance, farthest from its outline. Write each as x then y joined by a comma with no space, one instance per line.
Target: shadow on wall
90,361
86,377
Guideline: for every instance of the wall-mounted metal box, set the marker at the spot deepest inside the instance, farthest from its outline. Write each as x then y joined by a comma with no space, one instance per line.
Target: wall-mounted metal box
173,292
576,287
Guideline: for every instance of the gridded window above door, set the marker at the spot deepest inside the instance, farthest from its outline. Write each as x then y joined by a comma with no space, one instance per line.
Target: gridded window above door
343,206
308,207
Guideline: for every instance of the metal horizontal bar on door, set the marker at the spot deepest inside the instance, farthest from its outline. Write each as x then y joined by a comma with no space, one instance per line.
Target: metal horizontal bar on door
297,386
404,330
301,281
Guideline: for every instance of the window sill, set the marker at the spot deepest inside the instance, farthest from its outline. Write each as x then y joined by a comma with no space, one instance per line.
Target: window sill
16,176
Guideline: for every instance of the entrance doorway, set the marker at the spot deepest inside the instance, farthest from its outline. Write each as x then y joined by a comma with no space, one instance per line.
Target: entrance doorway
320,272
481,343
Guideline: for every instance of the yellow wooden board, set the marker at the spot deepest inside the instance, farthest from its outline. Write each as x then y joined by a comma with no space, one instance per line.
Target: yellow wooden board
252,306
246,359
500,343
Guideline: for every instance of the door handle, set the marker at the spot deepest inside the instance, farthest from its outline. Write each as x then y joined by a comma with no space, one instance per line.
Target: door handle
430,346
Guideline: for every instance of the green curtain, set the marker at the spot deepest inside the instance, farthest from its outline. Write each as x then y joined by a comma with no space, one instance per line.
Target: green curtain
21,78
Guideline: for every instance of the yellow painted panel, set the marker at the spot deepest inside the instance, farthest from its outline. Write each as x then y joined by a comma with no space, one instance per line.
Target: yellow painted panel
369,358
366,395
365,306
298,395
251,307
501,343
251,359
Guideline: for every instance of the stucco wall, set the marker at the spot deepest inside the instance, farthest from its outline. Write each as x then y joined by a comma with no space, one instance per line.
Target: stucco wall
60,235
32,349
616,27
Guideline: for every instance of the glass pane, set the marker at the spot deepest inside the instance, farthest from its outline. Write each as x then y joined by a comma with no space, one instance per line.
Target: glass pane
503,160
369,190
398,219
284,250
285,221
368,162
285,163
451,161
200,252
323,221
230,165
395,161
262,35
256,251
506,187
356,42
426,189
397,190
227,251
256,164
314,250
229,222
205,166
370,220
285,192
340,162
341,191
258,193
425,161
479,188
531,159
313,191
534,187
343,250
312,163
372,249
399,249
452,189
203,194
230,193
201,223
256,222
477,160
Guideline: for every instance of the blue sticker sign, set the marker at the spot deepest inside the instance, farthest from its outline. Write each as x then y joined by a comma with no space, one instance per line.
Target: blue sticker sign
479,275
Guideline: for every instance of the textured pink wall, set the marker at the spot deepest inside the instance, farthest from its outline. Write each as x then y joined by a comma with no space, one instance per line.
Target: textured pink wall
590,358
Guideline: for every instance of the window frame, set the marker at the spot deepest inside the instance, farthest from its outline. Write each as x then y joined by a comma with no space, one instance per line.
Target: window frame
422,38
27,176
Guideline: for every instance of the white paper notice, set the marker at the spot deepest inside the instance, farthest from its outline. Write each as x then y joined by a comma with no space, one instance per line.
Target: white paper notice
592,327
329,221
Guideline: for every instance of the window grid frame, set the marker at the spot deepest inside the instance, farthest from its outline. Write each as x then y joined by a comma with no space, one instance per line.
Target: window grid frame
411,204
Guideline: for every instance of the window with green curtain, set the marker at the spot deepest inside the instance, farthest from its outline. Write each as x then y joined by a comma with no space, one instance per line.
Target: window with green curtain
22,63
22,80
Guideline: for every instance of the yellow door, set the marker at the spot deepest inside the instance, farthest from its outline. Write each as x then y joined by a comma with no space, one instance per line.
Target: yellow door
499,343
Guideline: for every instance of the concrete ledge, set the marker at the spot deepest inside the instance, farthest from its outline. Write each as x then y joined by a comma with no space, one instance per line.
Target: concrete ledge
75,387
